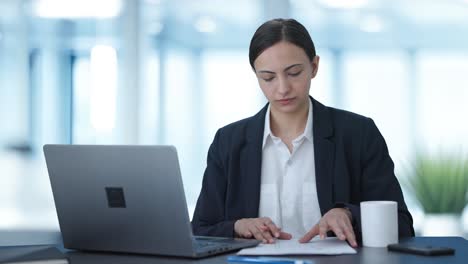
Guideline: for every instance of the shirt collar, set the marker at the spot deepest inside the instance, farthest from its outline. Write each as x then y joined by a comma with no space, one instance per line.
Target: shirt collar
307,131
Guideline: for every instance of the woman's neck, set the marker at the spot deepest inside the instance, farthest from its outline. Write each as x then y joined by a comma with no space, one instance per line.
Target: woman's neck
288,126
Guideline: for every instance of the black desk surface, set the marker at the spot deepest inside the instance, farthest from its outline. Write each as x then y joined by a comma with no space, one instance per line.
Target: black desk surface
364,255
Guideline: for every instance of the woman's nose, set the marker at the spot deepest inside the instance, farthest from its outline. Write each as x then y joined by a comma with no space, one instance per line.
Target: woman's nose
283,86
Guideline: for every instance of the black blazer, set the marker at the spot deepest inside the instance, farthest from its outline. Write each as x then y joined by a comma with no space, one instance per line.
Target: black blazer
352,164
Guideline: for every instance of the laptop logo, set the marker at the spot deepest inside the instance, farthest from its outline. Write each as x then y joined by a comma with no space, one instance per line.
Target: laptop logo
115,197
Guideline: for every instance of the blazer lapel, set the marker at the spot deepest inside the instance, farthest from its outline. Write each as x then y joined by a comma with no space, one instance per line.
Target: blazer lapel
324,149
251,162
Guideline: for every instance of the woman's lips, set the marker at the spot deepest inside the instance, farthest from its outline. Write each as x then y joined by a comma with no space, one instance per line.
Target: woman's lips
285,101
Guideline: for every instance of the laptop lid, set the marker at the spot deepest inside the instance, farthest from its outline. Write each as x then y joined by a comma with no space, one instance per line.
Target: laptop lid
120,198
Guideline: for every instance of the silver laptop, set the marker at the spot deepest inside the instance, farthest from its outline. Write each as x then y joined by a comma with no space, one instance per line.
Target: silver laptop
126,199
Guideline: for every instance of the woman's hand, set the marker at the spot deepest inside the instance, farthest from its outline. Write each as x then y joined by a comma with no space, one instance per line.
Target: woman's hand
337,220
259,228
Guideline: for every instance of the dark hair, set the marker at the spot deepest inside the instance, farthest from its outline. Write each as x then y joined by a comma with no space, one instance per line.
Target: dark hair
276,30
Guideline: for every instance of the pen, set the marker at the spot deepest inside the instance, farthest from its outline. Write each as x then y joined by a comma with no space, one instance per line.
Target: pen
264,260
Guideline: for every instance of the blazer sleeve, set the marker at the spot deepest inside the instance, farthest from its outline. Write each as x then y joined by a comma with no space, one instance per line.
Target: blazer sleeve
208,218
378,180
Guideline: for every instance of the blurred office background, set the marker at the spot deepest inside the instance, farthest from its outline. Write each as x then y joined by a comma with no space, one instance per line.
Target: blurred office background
173,72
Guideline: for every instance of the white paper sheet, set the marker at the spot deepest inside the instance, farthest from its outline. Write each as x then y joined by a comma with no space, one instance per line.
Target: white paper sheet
328,246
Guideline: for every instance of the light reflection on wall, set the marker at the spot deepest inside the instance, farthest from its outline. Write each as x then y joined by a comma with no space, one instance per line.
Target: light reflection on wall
104,84
77,9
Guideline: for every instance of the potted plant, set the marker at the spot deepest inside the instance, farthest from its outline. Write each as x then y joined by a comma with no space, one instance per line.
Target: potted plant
440,185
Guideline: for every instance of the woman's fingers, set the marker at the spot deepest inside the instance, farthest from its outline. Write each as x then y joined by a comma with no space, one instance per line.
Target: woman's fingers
256,233
284,235
263,229
347,228
273,228
336,220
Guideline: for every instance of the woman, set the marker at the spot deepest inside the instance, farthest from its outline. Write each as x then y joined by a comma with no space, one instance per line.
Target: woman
297,168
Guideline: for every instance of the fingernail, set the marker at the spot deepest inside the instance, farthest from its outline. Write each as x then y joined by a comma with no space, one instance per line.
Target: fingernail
264,241
276,234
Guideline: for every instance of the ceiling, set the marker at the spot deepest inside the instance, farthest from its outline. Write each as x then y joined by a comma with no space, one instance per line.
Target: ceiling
220,23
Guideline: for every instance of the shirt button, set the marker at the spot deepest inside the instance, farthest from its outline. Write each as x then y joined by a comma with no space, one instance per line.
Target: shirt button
289,162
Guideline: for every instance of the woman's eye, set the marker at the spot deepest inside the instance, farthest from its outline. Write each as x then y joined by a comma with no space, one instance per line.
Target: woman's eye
295,73
268,79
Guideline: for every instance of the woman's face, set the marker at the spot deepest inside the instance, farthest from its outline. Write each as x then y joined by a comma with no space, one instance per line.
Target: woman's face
284,73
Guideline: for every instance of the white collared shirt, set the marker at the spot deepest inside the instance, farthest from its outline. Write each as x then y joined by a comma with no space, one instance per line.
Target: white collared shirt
288,193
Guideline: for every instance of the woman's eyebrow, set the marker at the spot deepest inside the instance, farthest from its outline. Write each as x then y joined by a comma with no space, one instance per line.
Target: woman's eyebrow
291,66
286,69
265,71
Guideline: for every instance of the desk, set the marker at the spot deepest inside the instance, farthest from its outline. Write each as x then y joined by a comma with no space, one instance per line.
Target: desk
364,255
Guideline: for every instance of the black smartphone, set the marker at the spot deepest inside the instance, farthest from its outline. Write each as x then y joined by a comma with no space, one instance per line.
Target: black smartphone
425,250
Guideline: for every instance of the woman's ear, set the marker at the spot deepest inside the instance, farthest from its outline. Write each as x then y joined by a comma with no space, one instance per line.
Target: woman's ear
315,65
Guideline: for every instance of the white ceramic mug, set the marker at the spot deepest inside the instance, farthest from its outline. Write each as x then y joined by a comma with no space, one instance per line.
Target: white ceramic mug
379,223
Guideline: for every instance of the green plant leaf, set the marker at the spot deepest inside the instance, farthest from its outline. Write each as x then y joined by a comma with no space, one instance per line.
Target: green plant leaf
439,183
